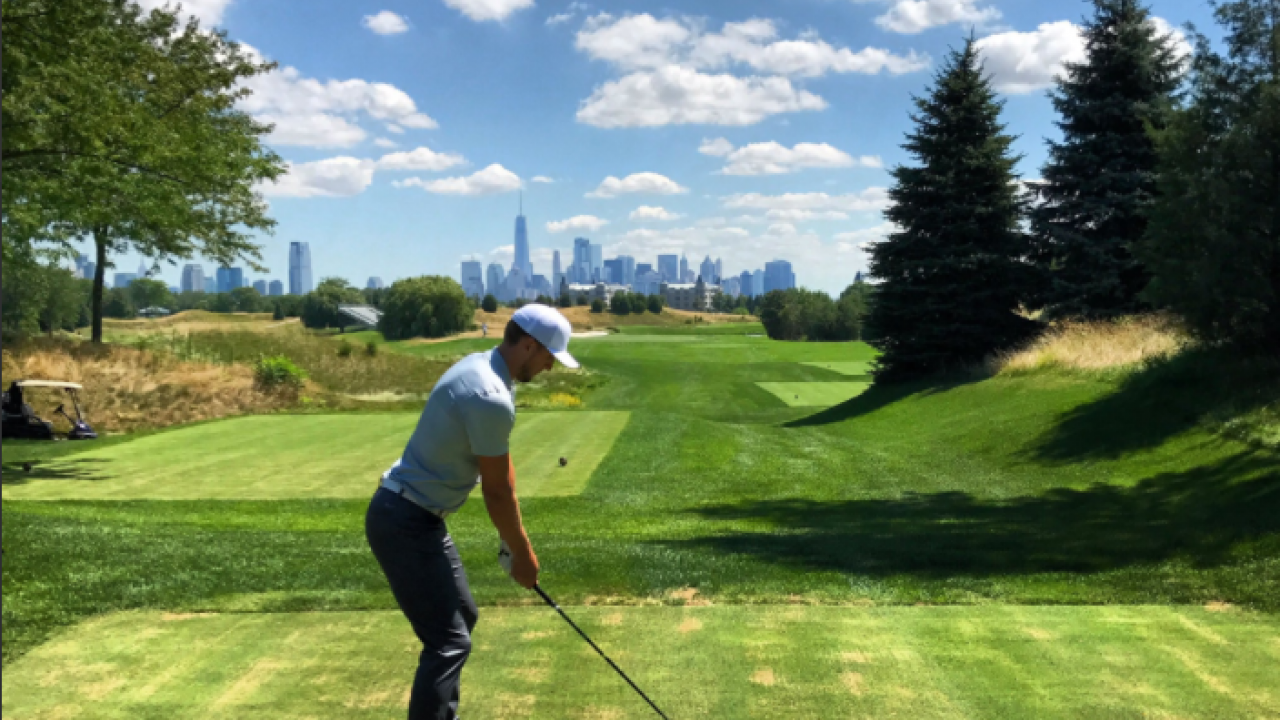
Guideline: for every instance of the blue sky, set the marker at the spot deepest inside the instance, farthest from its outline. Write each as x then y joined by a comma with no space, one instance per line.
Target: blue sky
746,130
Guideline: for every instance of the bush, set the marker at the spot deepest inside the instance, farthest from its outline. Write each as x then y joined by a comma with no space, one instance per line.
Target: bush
371,349
597,306
566,300
320,306
655,304
278,373
345,348
619,304
581,300
277,313
428,306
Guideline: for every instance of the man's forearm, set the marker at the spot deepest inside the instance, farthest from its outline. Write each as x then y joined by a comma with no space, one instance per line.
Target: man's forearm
504,511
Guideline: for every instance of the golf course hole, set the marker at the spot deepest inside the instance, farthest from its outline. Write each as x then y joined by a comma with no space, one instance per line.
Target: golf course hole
814,394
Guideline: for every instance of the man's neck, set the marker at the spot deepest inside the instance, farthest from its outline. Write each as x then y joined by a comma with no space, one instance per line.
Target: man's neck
506,352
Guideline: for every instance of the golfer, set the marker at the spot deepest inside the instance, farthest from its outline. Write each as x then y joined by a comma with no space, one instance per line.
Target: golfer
461,440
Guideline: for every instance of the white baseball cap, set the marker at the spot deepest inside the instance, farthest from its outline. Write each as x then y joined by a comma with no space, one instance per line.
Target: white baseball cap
548,327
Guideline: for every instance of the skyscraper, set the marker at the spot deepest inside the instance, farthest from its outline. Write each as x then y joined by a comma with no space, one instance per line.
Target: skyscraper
684,269
122,280
580,271
597,262
210,284
746,284
778,276
192,278
275,288
374,283
300,268
522,245
494,277
260,286
230,278
555,273
719,268
708,271
628,269
669,268
757,282
473,278
612,271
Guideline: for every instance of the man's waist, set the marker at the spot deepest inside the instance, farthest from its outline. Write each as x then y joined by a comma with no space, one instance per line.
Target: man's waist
413,496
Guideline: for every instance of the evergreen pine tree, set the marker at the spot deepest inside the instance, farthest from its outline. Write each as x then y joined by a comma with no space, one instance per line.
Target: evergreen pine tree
1101,177
957,270
1213,243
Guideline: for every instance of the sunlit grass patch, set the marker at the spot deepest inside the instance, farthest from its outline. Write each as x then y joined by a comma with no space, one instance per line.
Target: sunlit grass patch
704,662
814,394
302,456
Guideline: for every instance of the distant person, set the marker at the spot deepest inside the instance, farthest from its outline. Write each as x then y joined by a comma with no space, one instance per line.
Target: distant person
461,441
484,329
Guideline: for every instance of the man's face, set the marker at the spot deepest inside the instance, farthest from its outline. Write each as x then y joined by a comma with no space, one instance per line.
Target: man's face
537,361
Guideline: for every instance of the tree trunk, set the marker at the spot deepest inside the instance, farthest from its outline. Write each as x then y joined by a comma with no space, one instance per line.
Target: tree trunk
99,274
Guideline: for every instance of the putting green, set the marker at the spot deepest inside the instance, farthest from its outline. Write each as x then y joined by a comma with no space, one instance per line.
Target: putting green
844,368
814,394
695,662
305,456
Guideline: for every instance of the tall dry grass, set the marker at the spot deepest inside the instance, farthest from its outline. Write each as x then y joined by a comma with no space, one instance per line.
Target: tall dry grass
1098,345
127,389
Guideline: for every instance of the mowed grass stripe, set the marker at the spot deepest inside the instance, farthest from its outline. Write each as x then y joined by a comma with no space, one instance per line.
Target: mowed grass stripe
304,456
719,661
814,394
855,369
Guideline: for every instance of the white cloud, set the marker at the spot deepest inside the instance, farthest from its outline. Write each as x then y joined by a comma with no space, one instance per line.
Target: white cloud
420,159
1181,46
334,177
771,158
578,222
386,23
489,181
318,130
715,148
646,212
781,229
542,179
875,198
643,42
559,18
385,143
208,12
1023,62
913,16
482,10
677,95
863,239
805,215
646,182
393,128
291,100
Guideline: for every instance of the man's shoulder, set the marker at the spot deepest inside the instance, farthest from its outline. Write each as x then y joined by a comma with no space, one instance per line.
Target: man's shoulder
474,376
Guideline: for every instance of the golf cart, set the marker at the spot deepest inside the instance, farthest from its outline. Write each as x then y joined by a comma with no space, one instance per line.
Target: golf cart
20,421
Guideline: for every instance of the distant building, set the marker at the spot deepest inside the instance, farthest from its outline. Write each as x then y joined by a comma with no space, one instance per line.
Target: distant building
708,271
778,276
375,283
595,291
230,278
494,278
275,288
522,245
597,262
556,274
210,285
580,271
684,296
757,282
628,265
472,279
686,275
300,268
719,270
612,271
732,286
192,278
669,268
746,284
541,286
647,281
261,287
175,289
123,279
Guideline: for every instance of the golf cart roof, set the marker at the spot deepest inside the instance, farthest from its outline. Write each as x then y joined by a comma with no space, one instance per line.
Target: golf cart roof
49,384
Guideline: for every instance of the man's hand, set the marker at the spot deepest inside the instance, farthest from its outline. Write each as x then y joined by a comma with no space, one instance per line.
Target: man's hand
523,568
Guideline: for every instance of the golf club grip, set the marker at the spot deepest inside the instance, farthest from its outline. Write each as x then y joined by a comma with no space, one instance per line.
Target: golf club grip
552,603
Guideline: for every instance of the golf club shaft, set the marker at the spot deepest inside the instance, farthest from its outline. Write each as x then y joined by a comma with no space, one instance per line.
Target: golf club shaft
552,603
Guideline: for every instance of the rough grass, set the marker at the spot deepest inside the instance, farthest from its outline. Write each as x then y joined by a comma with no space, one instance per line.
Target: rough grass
694,662
1100,345
128,389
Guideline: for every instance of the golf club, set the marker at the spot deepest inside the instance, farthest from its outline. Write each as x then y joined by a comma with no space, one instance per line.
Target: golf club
552,603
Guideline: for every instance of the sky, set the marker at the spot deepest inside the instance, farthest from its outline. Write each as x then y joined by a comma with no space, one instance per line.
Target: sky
745,130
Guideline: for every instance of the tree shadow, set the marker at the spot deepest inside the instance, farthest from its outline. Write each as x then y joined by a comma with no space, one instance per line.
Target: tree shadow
14,474
877,396
1198,515
1165,398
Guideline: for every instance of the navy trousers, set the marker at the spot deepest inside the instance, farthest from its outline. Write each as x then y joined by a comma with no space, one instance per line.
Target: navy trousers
428,581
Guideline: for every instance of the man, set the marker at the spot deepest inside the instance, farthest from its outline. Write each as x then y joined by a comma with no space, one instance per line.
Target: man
463,433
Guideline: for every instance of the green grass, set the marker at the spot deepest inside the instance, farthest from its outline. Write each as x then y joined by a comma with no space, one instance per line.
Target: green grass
305,457
1003,495
856,369
815,394
731,662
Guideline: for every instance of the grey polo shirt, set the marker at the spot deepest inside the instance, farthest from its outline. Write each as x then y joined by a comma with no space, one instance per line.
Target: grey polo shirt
469,413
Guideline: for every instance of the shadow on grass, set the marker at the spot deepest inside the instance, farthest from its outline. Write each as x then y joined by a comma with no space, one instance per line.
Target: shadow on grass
878,396
1162,400
1199,516
68,469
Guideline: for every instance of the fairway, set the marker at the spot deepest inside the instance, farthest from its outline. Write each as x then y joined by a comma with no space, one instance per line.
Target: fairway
304,456
718,661
814,394
855,369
